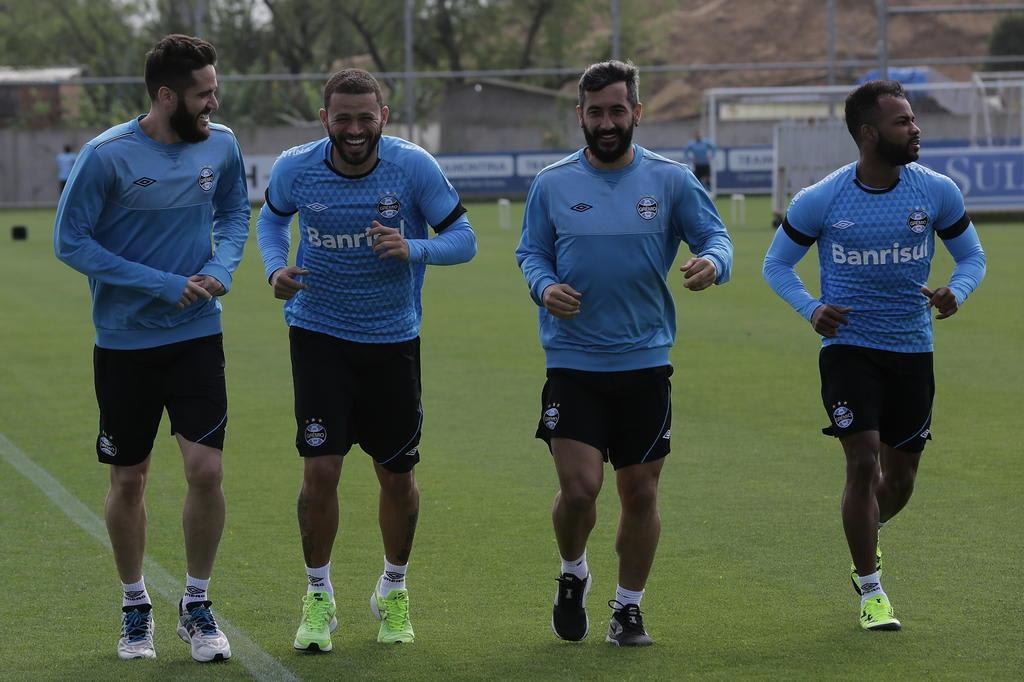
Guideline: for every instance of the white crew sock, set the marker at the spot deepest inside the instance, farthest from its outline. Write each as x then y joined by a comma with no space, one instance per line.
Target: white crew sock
393,577
320,579
135,594
577,567
195,590
870,586
626,597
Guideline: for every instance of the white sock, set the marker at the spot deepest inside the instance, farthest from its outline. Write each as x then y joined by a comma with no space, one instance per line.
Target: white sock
195,590
135,594
870,586
393,577
625,597
320,579
578,567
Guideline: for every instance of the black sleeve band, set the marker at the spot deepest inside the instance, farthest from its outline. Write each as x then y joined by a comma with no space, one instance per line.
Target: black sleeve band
452,217
266,196
795,234
956,229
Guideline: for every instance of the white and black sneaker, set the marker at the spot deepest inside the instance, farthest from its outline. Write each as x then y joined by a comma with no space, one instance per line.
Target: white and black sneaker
197,627
136,633
569,614
626,628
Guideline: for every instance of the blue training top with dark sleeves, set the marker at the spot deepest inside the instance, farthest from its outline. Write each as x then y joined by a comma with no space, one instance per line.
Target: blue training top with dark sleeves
613,235
875,249
351,293
136,217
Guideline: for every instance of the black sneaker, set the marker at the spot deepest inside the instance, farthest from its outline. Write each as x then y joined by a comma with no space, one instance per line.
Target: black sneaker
569,614
626,628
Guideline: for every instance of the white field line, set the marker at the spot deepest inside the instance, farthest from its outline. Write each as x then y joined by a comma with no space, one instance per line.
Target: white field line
260,664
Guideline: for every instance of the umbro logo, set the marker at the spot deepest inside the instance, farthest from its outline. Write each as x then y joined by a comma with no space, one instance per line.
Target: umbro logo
843,224
133,594
144,182
581,207
317,207
194,591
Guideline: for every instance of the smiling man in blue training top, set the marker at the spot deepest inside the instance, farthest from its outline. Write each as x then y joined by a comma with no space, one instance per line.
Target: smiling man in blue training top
601,230
875,221
137,217
365,202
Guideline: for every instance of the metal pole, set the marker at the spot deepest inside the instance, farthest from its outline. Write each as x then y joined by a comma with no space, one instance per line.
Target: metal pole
830,21
410,89
956,9
616,29
883,38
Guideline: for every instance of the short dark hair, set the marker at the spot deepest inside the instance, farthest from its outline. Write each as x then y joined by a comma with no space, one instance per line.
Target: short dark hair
172,60
862,103
352,82
601,75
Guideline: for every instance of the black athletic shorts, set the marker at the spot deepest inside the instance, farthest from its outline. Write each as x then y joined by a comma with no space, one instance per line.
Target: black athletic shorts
865,389
134,386
627,416
366,393
703,173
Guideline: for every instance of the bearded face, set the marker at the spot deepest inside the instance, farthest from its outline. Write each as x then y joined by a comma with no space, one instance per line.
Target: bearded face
897,152
609,141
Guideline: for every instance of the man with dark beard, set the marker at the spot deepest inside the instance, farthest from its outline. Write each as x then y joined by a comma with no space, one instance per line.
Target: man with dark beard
137,216
601,230
875,221
365,203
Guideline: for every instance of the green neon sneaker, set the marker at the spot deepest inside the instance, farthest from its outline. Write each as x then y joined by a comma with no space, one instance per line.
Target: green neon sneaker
393,613
318,622
876,614
854,577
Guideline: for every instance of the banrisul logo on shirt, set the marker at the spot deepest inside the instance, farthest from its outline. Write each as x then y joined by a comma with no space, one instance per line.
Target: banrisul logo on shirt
206,179
647,207
918,221
388,206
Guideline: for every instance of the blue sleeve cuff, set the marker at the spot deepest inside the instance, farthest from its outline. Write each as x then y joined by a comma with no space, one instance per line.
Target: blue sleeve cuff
173,287
538,289
220,272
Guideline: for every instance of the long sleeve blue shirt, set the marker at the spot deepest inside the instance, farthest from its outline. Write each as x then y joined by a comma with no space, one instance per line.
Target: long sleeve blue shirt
613,235
139,218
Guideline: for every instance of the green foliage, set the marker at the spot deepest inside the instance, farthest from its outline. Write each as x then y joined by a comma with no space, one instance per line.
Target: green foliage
258,37
1007,39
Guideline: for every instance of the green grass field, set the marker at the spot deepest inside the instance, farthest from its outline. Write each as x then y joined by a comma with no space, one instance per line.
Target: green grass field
751,576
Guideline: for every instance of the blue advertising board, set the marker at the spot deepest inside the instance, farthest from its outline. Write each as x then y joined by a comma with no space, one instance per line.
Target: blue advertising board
991,178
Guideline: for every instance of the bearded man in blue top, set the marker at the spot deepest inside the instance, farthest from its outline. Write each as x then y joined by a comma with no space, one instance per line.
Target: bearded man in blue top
875,221
601,230
137,217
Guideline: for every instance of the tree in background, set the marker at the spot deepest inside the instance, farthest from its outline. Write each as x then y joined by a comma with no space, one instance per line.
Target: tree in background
1007,39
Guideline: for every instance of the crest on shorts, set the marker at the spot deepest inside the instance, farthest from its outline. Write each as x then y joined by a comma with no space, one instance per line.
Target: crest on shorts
647,207
842,415
917,222
206,178
550,416
388,206
315,433
106,445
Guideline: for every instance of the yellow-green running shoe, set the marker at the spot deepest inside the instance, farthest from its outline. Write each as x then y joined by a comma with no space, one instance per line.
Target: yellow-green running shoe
318,622
393,613
876,614
853,569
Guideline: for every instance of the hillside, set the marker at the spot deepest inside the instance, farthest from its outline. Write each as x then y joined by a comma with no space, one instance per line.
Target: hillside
706,31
